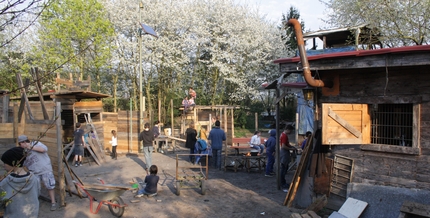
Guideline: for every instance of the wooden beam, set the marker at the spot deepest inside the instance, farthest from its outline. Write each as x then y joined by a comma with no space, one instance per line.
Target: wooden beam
24,99
36,78
60,155
64,82
301,167
360,62
5,98
15,120
415,208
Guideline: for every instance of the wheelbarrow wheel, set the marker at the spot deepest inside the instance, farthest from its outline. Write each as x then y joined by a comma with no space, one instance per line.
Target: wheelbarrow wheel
115,210
203,186
178,188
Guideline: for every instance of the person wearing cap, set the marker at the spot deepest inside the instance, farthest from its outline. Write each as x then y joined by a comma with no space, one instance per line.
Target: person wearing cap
285,155
20,186
39,163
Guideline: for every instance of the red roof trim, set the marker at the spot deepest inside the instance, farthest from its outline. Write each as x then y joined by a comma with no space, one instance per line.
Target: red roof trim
416,48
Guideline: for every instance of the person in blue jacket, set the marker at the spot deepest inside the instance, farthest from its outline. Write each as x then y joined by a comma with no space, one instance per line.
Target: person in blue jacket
270,152
216,137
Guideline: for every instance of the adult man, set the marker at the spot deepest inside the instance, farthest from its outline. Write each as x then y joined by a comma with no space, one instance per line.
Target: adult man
147,138
285,155
39,163
216,137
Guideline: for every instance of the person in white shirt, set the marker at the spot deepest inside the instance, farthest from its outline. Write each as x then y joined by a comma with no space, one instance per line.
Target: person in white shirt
256,142
114,143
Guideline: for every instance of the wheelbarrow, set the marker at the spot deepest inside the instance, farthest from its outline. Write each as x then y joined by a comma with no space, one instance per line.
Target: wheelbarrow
105,194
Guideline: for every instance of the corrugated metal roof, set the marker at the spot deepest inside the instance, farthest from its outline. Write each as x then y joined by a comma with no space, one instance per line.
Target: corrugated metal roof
321,33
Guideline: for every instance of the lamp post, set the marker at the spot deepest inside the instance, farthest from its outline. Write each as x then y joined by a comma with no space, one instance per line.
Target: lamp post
140,70
143,30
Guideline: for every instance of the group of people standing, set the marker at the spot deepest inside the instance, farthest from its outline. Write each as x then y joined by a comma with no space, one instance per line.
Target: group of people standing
285,154
214,139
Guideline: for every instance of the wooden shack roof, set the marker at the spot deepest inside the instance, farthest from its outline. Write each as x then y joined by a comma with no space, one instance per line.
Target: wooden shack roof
78,95
386,57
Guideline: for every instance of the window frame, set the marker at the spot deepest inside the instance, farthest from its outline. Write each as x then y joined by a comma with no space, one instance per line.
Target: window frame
413,150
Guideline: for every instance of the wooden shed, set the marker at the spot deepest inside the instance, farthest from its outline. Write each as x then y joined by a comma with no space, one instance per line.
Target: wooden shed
371,109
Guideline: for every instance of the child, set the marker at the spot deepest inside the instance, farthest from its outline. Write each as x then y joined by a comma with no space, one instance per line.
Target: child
39,163
308,133
151,182
114,143
21,187
79,144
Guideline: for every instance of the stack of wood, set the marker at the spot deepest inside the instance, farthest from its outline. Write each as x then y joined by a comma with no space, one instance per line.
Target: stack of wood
309,214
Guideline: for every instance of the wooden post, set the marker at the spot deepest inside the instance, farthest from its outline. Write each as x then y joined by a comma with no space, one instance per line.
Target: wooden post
15,120
171,116
60,167
24,99
296,132
35,73
232,125
5,98
159,110
58,84
210,123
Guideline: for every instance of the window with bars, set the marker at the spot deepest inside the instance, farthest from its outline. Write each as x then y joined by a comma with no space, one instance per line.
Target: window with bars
392,124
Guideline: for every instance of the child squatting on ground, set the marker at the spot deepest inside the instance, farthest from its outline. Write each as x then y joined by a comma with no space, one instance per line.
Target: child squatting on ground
151,182
21,187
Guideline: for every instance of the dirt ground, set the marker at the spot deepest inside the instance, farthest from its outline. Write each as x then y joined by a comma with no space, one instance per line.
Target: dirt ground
229,193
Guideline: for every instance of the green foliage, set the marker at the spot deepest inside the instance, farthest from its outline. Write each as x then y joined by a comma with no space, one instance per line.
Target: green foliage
288,36
76,35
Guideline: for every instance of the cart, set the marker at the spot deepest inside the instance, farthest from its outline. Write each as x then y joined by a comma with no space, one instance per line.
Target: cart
186,177
106,194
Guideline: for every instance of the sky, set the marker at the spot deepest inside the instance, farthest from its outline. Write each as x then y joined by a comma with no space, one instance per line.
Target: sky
310,10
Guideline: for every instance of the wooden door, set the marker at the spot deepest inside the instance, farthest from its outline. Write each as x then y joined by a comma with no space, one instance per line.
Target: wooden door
345,124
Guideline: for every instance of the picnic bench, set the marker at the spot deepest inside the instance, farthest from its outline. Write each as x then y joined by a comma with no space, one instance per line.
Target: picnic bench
236,159
243,144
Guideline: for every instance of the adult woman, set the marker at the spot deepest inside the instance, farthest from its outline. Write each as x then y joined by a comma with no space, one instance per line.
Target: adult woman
191,140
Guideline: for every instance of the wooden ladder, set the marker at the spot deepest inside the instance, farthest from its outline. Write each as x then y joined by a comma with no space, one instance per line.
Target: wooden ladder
98,147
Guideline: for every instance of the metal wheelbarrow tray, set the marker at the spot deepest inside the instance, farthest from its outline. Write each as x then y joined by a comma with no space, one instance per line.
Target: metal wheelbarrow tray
105,194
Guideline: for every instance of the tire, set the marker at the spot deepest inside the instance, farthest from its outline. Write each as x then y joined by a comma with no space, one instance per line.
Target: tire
116,211
203,186
178,188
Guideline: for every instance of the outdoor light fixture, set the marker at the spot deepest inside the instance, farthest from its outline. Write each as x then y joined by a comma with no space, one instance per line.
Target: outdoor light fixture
308,93
148,30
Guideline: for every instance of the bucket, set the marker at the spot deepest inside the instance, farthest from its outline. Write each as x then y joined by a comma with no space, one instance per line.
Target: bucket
168,131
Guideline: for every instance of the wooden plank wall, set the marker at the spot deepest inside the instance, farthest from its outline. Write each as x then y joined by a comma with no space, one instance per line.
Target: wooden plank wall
405,85
6,132
121,123
37,112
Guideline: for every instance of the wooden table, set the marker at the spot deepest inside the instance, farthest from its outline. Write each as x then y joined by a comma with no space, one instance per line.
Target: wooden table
161,138
254,162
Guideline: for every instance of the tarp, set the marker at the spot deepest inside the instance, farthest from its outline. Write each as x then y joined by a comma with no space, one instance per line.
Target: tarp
306,114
